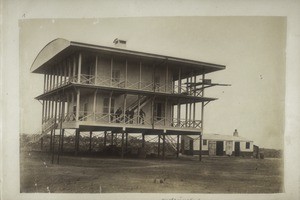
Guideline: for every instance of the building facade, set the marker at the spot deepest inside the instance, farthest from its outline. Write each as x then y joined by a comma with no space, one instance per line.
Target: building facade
218,145
118,91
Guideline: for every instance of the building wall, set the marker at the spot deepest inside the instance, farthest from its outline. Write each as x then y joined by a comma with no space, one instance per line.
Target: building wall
205,148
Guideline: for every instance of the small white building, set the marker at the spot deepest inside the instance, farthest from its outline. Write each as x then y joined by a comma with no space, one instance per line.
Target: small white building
217,145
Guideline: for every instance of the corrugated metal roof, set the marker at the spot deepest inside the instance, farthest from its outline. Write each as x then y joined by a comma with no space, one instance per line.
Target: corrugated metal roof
221,137
57,48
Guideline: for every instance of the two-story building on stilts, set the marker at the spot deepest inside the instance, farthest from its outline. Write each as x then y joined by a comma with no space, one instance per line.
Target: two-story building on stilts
119,92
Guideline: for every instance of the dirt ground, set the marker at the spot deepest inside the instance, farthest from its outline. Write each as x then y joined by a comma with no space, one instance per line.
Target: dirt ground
183,175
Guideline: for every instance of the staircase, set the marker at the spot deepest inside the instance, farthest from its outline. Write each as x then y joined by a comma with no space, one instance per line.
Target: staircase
171,141
48,126
134,106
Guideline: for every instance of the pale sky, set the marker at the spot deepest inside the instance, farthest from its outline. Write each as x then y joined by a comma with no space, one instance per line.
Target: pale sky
252,48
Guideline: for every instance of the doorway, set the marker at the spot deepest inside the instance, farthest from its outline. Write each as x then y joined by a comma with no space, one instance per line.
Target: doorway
237,149
191,150
220,147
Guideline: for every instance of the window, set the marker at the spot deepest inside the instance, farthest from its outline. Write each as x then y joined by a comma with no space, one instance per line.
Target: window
204,142
106,105
116,75
247,145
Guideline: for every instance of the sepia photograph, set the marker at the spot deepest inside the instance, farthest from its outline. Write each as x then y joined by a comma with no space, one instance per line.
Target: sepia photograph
168,100
152,105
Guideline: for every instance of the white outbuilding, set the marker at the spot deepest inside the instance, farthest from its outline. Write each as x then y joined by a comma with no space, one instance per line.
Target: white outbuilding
217,145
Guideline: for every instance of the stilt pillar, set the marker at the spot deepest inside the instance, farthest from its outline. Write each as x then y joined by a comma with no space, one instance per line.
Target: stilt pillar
177,153
158,146
90,145
164,147
122,145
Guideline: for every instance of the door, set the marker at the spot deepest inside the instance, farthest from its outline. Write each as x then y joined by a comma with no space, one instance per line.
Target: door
191,150
156,83
220,147
229,148
237,149
211,148
159,111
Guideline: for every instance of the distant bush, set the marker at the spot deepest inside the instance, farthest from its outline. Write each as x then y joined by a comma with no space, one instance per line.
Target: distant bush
271,153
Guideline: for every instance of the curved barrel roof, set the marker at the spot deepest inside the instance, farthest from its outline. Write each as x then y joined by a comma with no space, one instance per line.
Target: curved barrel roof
59,48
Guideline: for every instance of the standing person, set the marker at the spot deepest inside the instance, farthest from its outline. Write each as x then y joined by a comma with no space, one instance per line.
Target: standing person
111,115
127,114
142,115
131,114
118,114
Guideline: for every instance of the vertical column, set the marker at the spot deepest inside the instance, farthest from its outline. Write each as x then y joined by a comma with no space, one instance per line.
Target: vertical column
65,71
104,139
53,140
143,140
45,116
177,148
61,111
77,104
178,113
179,81
126,142
76,141
90,144
69,71
110,114
194,104
94,104
68,106
140,80
158,146
74,69
45,77
126,73
166,110
62,141
79,68
167,78
47,82
125,119
112,138
96,70
202,119
43,111
164,146
122,145
138,111
111,70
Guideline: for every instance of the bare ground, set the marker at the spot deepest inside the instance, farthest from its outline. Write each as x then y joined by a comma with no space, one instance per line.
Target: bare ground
183,175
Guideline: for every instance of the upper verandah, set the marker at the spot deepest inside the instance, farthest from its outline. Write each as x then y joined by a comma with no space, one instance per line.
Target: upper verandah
58,49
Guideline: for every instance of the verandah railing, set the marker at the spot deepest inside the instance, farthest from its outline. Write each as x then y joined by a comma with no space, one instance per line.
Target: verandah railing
119,83
134,120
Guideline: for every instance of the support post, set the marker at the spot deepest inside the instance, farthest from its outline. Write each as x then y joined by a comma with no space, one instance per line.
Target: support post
79,68
62,141
96,70
140,80
177,148
143,140
126,142
104,139
111,70
164,146
76,141
126,73
158,146
90,144
122,145
77,104
94,104
53,140
202,119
